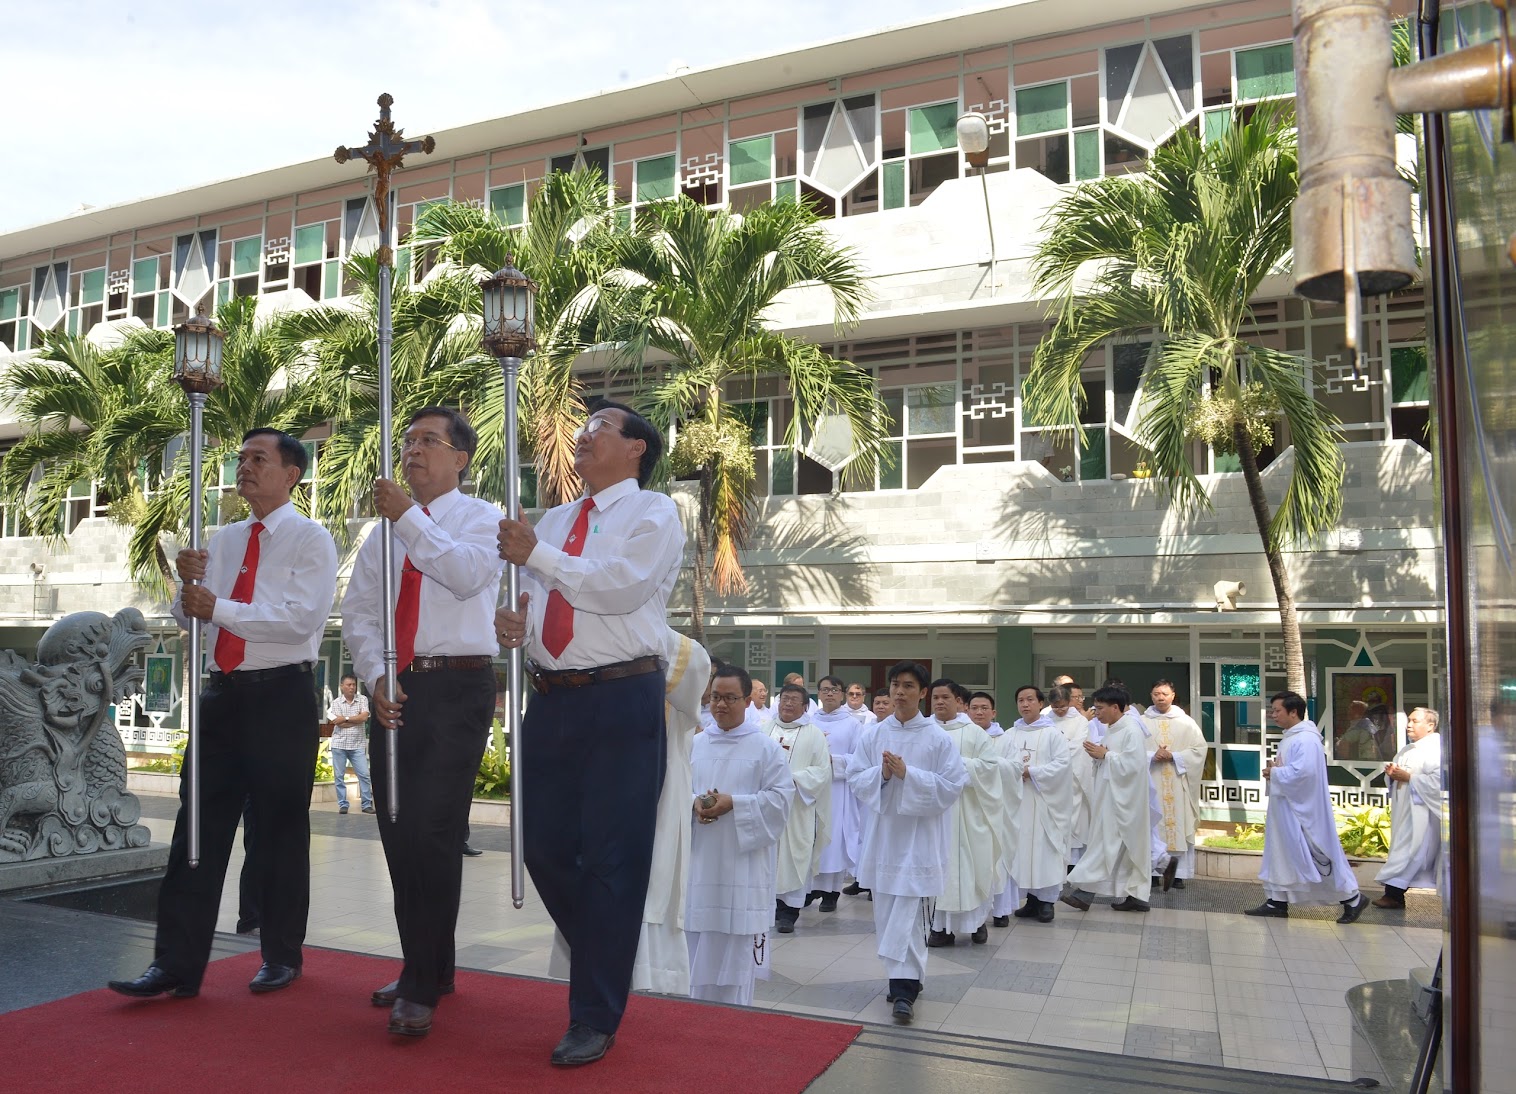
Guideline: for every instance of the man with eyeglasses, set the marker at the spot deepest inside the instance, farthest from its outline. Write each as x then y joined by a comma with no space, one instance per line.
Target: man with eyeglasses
810,824
447,575
596,576
857,705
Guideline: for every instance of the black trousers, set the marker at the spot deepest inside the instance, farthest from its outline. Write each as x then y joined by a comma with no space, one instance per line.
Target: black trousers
446,723
258,745
592,768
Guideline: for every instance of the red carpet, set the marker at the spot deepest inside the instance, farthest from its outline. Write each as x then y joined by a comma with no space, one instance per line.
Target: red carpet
321,1034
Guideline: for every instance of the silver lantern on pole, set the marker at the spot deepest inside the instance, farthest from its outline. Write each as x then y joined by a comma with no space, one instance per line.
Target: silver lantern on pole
197,369
510,329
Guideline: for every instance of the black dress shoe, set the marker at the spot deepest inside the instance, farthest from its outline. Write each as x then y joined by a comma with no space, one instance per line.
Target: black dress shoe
939,938
386,996
581,1045
829,902
1002,921
904,1011
1131,904
1169,871
1351,910
1074,902
813,896
409,1019
471,852
1044,911
154,982
853,889
1270,910
1027,910
981,936
273,977
1179,883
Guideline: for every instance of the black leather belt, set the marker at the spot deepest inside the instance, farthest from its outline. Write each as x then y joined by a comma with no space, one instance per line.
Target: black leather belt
439,663
546,680
259,676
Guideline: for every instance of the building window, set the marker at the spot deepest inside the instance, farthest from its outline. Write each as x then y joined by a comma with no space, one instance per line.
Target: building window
317,269
508,204
240,263
923,433
760,169
49,299
150,298
13,328
840,153
194,273
84,501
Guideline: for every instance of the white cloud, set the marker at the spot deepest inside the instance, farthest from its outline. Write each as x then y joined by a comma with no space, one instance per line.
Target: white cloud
124,101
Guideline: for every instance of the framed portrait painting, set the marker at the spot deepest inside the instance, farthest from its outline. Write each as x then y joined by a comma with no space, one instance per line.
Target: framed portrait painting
1365,709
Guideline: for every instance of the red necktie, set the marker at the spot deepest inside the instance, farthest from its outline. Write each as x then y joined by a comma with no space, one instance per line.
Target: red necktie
408,612
558,620
230,648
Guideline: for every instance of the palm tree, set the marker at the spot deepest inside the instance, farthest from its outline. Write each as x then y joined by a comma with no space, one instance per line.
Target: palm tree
1182,249
695,287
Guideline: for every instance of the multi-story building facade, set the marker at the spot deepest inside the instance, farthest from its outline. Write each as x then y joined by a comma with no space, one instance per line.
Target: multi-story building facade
996,551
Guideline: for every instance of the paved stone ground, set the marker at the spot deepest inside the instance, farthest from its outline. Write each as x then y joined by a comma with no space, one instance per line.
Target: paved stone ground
1193,980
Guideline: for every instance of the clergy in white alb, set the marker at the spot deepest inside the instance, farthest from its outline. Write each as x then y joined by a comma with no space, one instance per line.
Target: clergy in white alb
837,859
975,865
906,773
1303,861
1176,755
858,705
663,956
1041,798
810,823
1070,720
742,796
1415,781
1006,898
1120,857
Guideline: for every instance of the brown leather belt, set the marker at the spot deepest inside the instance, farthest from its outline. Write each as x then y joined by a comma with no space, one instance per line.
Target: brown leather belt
546,680
438,664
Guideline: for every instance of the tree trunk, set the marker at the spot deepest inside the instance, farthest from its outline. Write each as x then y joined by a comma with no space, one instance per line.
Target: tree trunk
161,560
1289,621
702,546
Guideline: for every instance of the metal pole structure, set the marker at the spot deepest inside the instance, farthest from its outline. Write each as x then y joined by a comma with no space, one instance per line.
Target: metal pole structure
385,152
509,369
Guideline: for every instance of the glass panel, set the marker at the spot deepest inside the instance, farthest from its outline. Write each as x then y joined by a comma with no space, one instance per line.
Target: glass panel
1153,113
1092,456
1129,360
92,287
1179,61
223,292
655,179
925,457
756,415
1042,109
246,254
1087,155
1208,678
1241,765
1265,72
784,190
145,275
894,184
1240,680
840,162
310,244
1227,463
894,405
1408,373
1122,157
751,160
1049,155
331,281
10,305
932,408
933,128
1120,64
1217,122
165,308
784,471
508,203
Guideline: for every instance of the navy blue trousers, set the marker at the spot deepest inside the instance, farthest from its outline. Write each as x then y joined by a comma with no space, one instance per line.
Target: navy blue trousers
592,768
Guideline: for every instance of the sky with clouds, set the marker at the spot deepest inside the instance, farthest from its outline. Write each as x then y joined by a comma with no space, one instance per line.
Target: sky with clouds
114,101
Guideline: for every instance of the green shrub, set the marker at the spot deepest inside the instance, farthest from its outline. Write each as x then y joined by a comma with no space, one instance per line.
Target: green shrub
494,778
1244,837
1365,833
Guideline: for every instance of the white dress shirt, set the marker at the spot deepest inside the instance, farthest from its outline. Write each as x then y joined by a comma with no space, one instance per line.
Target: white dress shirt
618,587
456,552
347,736
292,595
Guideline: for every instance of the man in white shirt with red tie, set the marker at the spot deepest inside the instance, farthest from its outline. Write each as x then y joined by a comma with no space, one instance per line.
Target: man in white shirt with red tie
596,576
448,579
264,587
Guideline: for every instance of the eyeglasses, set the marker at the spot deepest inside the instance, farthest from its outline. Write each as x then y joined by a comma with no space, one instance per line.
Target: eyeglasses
595,425
428,441
829,689
718,698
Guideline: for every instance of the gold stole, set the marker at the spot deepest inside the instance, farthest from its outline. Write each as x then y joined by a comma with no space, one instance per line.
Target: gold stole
1168,786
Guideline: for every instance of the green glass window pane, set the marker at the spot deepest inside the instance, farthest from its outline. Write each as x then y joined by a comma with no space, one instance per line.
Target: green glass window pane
623,215
73,321
655,179
1265,72
1240,680
528,486
165,308
92,287
894,406
1217,122
756,415
1087,155
10,305
892,471
1042,109
1092,456
223,292
785,190
310,244
751,160
310,461
933,128
22,332
931,408
1227,462
1241,765
508,204
1208,721
1408,374
229,471
784,471
144,276
331,280
246,256
894,184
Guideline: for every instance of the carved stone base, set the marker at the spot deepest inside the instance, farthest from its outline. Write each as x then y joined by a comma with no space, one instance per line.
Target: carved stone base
100,866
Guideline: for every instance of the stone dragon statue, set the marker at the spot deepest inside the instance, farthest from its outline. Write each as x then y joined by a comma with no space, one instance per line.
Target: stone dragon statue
62,764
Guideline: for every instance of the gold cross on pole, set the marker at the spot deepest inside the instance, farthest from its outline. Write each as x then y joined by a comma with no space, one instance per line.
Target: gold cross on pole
385,151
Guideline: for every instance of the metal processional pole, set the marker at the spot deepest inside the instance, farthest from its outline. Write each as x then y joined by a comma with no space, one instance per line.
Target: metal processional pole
197,369
510,309
385,152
